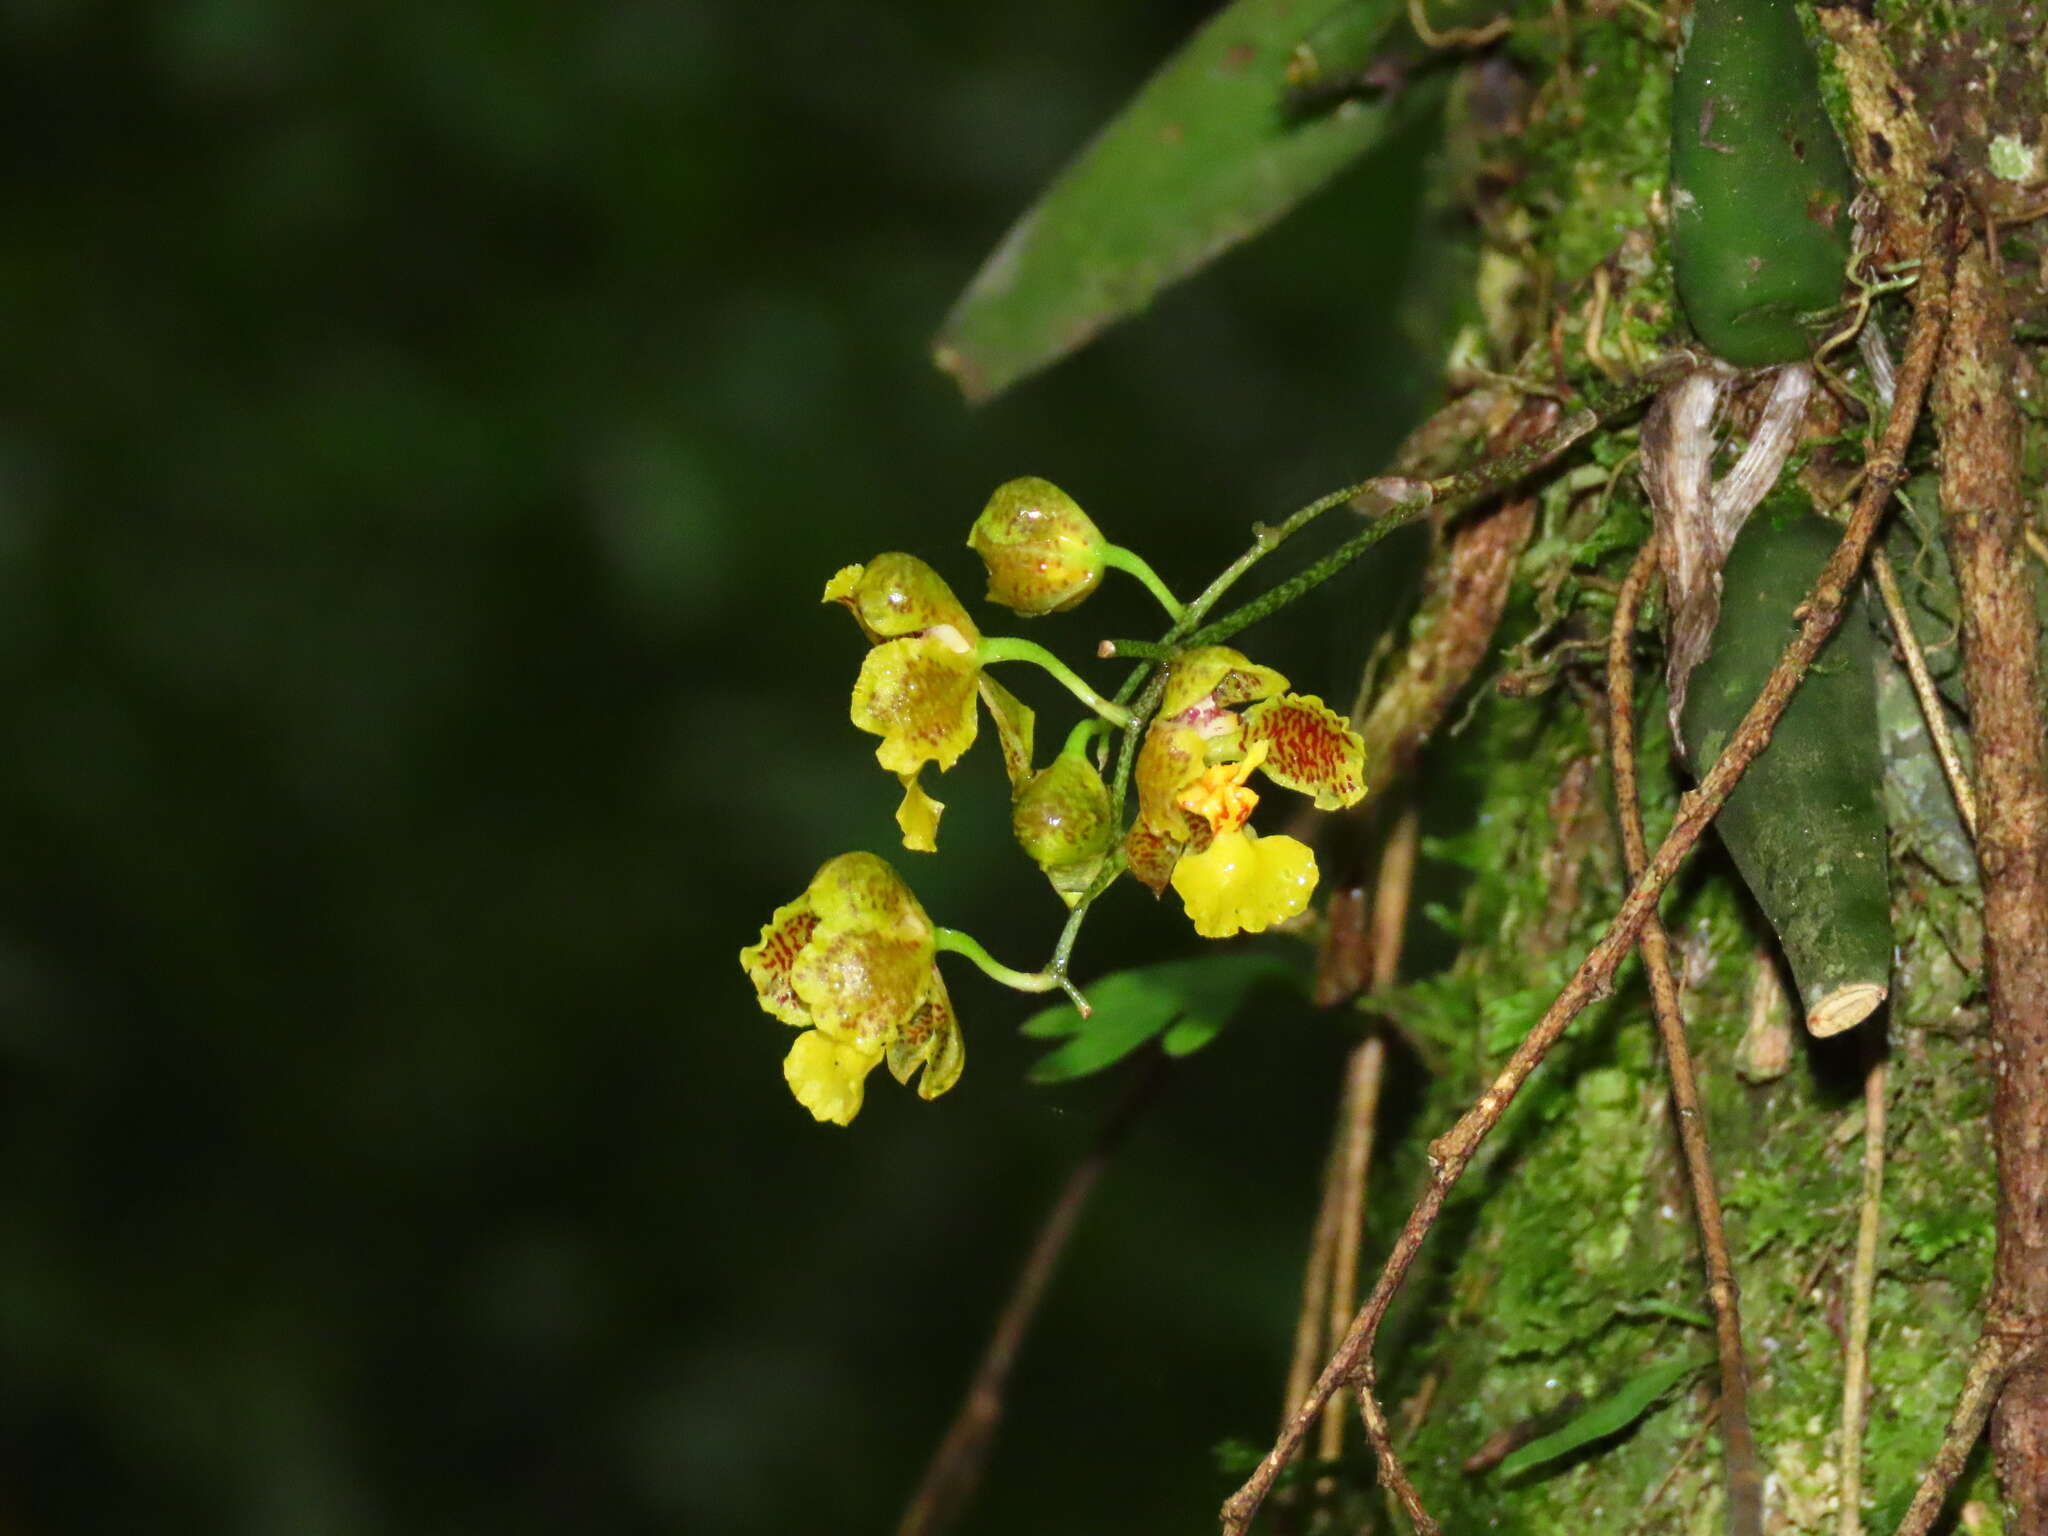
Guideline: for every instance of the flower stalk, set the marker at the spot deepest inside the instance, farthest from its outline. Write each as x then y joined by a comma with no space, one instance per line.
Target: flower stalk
994,648
953,941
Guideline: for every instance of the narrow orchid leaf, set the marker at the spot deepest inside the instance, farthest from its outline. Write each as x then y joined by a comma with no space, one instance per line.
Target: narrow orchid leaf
1213,148
1604,1418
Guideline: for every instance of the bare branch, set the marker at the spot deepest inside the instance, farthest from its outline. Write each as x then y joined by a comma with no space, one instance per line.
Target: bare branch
1982,517
953,1472
1738,1444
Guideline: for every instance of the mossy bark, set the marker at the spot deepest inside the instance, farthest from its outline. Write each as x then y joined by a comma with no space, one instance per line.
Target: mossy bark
1566,1264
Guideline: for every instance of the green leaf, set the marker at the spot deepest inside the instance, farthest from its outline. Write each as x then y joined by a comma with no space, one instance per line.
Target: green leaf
1185,1002
1603,1418
1189,1036
1656,1306
1208,153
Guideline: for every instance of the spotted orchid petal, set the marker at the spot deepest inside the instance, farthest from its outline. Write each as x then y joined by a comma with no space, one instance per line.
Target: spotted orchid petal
1150,856
1309,747
1172,757
1014,723
1213,677
864,970
930,1040
769,962
895,595
917,694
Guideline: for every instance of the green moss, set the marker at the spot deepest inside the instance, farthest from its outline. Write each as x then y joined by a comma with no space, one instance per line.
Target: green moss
1568,1248
1595,150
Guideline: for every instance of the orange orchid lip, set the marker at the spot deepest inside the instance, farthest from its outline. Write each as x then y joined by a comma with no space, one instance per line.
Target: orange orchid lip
1219,794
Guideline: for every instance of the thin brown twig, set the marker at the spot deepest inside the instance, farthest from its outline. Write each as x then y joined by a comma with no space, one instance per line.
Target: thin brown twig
1362,1098
1449,1154
1738,1444
1990,1364
1362,1076
1862,1289
953,1472
1396,883
1315,1280
1923,689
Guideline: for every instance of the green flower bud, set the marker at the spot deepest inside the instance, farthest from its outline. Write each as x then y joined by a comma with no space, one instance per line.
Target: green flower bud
1061,818
1042,551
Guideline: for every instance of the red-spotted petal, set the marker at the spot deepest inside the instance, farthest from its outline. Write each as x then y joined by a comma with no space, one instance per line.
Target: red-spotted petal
931,1040
860,987
768,964
1151,857
1171,758
1309,747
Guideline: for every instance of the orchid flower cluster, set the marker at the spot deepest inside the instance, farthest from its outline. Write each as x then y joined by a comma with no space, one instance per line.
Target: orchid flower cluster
852,962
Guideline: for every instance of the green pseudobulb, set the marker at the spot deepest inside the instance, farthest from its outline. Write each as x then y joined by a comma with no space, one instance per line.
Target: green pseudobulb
1806,825
1759,188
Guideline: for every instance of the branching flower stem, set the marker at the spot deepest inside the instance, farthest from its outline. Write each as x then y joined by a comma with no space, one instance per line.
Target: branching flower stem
1450,1153
1745,1481
1391,501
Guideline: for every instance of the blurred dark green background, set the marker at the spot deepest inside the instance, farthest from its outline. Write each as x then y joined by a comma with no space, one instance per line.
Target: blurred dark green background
426,431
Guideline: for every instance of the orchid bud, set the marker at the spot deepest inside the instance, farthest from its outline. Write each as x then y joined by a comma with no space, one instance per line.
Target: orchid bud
1061,818
1042,551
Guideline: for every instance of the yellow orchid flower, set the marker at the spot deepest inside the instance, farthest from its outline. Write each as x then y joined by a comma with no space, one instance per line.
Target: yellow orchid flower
853,963
916,688
918,685
1222,717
